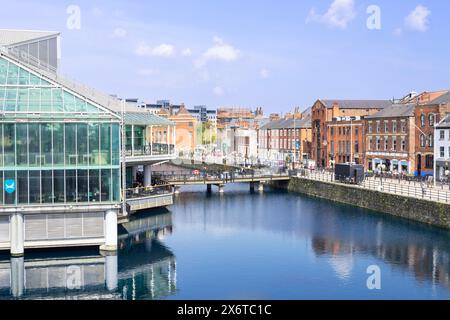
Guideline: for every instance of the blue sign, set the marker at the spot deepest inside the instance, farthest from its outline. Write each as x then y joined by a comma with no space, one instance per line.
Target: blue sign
297,145
10,186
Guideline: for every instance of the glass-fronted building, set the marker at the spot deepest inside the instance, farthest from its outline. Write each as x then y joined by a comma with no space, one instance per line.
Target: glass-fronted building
58,147
59,160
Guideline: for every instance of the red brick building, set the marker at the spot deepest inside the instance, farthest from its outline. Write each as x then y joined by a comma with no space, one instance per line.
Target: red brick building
330,116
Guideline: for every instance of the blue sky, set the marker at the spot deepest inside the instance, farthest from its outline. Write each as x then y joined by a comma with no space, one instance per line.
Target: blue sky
274,54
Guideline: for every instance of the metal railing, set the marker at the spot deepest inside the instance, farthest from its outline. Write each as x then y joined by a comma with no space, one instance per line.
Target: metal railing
155,149
142,192
404,188
224,177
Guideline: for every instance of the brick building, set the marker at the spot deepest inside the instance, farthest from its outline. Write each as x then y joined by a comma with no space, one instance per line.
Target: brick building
288,138
430,109
328,114
390,139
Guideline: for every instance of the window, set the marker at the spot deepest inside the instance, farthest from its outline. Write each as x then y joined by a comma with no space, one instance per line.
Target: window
386,127
378,143
431,119
442,152
369,147
422,120
422,141
356,131
385,143
356,147
430,141
370,127
394,143
394,126
403,126
429,162
403,144
441,135
378,126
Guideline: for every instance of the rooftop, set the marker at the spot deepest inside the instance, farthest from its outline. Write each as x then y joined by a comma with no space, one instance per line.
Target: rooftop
357,104
395,111
445,98
15,37
288,124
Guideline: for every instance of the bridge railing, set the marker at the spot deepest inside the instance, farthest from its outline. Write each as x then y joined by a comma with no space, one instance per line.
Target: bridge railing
142,192
207,177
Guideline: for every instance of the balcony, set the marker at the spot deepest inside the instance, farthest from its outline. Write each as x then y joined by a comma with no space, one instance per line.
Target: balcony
149,152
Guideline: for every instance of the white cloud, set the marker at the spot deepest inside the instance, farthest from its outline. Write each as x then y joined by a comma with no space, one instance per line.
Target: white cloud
338,15
264,73
186,52
220,51
163,50
417,20
119,33
218,91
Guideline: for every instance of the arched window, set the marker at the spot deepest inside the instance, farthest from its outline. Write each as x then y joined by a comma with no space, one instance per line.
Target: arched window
422,120
430,141
431,119
422,141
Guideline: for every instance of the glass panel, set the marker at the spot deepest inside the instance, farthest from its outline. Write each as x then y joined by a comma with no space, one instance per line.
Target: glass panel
71,147
80,105
47,186
3,70
69,102
105,135
106,185
1,147
116,185
35,97
22,145
24,77
58,185
128,138
11,99
94,185
115,144
46,99
82,185
71,186
13,74
34,145
46,144
22,186
22,100
35,186
58,144
94,154
10,198
9,144
1,187
82,145
57,100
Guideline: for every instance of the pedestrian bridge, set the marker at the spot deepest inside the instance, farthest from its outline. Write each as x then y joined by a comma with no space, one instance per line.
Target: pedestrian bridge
220,180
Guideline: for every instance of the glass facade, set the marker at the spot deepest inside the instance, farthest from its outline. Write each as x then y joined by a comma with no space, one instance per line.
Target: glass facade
57,147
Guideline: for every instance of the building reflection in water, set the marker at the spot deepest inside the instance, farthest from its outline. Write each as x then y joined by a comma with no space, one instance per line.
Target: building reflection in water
143,269
425,257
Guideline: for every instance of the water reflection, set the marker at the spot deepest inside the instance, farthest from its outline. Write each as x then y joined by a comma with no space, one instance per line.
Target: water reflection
143,269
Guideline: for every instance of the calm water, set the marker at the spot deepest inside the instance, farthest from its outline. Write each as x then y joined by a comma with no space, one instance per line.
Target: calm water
240,245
